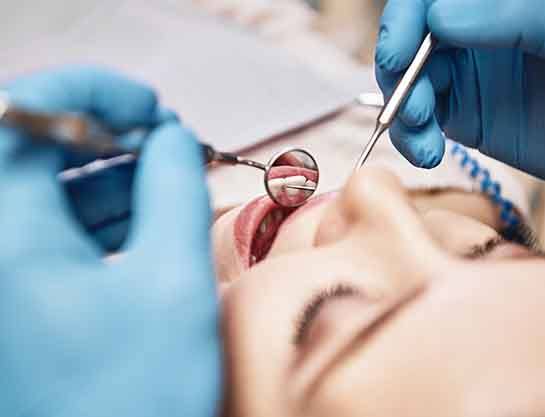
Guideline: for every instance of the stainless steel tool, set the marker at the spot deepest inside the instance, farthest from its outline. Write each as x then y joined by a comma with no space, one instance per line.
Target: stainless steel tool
290,177
401,91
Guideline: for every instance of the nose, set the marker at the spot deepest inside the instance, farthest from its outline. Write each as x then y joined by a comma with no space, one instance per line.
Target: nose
374,216
372,198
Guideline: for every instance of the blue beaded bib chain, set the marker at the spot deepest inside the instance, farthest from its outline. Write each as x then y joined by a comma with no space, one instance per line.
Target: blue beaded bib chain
482,178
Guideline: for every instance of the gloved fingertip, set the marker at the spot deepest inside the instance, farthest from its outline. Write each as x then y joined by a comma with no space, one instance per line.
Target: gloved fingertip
401,31
423,147
173,143
431,157
386,57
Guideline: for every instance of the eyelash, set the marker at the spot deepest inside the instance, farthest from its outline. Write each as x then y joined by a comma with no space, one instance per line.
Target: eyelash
313,307
479,251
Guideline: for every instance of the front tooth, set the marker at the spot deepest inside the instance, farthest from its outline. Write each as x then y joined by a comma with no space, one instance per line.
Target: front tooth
310,183
296,180
276,185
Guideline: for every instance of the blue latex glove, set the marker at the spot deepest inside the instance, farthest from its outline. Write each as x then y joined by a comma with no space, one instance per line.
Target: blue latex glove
79,337
484,86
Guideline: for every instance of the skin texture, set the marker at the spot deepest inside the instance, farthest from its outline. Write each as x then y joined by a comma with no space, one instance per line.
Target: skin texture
419,328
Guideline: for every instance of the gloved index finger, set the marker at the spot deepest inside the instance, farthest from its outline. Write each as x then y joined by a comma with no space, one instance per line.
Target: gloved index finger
120,103
402,28
171,208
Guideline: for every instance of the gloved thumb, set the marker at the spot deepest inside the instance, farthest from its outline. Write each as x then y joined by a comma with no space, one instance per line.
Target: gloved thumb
489,23
171,207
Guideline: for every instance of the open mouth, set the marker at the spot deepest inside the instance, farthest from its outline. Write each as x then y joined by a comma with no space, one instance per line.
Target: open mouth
256,228
257,225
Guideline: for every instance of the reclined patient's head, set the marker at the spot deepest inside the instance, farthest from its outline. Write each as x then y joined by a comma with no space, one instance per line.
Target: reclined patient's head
376,301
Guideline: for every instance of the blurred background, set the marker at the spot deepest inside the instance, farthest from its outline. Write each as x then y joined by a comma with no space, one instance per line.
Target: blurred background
352,24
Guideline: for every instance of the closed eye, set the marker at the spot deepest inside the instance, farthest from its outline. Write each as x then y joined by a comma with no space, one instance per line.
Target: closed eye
315,304
480,251
521,234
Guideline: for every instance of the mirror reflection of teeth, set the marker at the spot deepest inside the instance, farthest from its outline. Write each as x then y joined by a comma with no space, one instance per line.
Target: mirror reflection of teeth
282,184
295,180
276,185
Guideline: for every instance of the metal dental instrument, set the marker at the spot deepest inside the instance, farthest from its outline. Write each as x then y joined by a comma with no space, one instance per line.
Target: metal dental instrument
401,91
82,134
290,177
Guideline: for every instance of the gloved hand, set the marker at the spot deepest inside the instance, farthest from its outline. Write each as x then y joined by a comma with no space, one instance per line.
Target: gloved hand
81,337
484,86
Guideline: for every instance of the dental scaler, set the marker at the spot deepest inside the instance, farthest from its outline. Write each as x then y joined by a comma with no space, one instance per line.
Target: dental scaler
401,91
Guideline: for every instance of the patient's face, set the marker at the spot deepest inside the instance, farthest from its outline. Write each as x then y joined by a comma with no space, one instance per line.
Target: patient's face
374,302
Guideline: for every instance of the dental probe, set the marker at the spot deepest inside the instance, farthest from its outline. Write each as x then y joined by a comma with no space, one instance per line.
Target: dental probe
401,91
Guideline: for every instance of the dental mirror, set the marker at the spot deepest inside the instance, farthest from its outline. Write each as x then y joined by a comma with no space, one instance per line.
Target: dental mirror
291,177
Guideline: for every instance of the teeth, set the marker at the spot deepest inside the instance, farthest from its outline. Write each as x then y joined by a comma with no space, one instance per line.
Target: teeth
310,183
253,260
276,185
296,180
266,223
292,192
